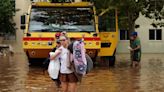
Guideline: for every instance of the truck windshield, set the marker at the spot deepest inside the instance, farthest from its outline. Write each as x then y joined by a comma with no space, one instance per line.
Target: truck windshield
57,19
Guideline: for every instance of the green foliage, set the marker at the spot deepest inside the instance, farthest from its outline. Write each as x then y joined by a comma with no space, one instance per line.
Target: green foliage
154,9
102,5
7,11
129,10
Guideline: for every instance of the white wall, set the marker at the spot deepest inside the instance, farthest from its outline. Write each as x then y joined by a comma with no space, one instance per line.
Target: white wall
148,46
78,0
23,5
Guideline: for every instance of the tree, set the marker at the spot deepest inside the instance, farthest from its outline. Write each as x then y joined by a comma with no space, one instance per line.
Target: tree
7,11
130,9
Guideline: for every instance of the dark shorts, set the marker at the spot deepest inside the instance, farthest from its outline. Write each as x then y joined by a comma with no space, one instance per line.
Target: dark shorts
136,56
68,78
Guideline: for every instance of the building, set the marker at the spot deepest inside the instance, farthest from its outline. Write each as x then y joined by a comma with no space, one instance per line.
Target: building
152,40
22,6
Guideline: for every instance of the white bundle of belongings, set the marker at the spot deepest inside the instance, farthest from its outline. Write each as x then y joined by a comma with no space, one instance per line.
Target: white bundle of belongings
54,67
129,48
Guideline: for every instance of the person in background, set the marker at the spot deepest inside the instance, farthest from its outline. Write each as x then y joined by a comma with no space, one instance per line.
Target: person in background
47,61
67,76
57,81
135,48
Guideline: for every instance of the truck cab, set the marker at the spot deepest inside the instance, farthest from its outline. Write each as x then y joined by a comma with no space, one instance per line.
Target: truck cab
45,19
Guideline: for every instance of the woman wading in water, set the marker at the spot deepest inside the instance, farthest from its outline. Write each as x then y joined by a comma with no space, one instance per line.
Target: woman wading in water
67,76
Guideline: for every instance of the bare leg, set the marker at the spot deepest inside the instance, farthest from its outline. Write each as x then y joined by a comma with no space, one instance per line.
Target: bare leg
138,65
64,86
73,87
133,64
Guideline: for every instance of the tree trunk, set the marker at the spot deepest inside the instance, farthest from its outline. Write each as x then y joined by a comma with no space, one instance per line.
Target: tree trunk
131,22
131,26
131,29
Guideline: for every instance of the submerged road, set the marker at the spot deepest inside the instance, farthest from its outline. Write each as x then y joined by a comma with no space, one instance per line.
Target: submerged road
17,76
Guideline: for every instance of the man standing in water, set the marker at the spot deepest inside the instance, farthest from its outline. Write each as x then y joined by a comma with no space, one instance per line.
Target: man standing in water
135,45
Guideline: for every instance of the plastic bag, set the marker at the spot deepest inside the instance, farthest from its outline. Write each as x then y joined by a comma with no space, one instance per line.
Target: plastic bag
54,67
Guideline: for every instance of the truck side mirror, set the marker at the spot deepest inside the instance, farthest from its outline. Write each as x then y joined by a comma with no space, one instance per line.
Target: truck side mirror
23,22
28,34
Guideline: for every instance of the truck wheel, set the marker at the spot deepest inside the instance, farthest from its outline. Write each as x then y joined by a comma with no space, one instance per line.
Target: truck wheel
93,54
30,60
112,60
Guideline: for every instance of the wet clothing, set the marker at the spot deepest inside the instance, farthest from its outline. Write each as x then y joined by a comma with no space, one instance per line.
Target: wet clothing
65,61
66,72
136,54
71,78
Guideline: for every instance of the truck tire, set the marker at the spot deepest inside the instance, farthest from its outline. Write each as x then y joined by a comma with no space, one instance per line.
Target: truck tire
112,60
30,60
93,57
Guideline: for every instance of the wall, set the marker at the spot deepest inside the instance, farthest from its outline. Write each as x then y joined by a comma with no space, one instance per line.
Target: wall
22,5
148,46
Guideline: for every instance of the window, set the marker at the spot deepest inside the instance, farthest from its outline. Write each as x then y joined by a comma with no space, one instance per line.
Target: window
107,22
155,34
55,19
124,34
151,34
158,34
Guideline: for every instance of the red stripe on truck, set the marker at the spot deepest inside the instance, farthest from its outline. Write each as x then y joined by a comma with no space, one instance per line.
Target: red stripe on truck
88,38
91,39
52,39
38,39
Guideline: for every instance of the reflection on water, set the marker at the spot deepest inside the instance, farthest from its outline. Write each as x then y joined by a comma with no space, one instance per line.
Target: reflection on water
17,76
13,73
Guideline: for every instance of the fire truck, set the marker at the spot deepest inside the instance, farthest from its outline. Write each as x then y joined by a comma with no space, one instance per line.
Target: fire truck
44,19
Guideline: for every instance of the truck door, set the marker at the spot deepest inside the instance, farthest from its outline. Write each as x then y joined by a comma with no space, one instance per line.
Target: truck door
108,28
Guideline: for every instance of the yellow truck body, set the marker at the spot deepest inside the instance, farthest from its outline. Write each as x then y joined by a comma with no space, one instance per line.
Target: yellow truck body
38,42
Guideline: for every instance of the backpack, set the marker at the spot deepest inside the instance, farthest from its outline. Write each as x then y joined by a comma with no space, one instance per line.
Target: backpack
88,59
79,58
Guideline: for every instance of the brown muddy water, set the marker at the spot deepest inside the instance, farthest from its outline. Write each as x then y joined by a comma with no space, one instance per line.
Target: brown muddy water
17,76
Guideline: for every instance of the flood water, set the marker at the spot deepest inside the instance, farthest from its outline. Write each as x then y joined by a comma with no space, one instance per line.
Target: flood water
17,76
